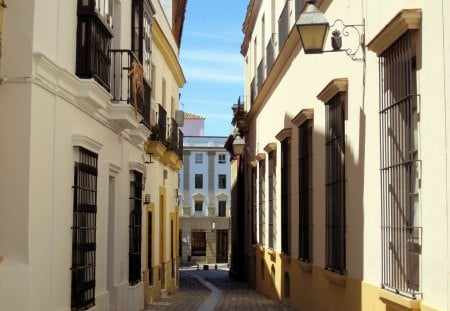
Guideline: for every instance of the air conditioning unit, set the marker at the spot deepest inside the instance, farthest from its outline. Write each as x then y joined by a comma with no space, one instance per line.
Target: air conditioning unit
179,117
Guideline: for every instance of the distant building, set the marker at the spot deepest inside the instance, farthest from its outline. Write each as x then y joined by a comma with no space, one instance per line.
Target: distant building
193,125
204,198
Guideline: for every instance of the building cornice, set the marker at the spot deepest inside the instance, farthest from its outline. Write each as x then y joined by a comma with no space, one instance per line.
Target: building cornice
161,41
302,116
408,19
249,23
335,86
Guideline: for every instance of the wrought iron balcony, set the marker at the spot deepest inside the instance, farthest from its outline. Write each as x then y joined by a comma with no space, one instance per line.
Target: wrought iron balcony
270,54
123,89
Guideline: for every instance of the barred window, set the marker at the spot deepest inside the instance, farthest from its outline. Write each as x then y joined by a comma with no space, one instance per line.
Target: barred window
262,202
150,246
305,191
134,254
335,185
272,200
285,197
254,202
84,230
400,165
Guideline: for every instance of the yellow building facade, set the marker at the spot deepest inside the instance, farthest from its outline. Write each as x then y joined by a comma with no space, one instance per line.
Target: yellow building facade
343,180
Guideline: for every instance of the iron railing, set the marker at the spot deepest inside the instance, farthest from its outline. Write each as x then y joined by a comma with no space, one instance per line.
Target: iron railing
122,89
335,186
272,200
261,74
84,230
135,236
93,59
262,203
283,26
285,197
270,55
305,191
401,233
299,4
253,92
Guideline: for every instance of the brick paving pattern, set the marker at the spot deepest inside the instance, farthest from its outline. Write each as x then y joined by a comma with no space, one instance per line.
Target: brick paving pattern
234,295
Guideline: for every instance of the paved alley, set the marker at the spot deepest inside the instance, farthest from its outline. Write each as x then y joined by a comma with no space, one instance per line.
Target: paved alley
205,290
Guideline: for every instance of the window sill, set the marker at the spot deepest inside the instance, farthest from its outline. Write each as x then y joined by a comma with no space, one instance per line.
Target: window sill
305,266
395,301
338,279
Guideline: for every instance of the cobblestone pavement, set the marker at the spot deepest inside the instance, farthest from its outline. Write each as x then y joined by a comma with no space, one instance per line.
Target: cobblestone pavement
229,294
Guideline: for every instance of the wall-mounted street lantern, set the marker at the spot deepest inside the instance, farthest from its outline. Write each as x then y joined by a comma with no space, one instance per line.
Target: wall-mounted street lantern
313,27
238,145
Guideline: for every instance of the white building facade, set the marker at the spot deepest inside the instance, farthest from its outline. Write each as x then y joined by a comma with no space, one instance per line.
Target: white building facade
205,201
90,226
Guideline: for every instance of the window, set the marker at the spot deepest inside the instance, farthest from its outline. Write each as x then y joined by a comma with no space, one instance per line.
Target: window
335,185
198,181
94,35
153,81
222,208
141,21
400,165
84,230
134,254
262,203
299,4
283,25
305,191
272,200
199,158
222,181
222,158
285,197
254,210
199,206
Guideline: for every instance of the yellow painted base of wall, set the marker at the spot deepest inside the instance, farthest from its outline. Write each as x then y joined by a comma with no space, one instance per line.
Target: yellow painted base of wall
154,292
308,287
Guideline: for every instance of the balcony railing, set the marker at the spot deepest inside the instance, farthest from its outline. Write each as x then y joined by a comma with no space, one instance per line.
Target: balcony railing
283,26
121,83
261,74
93,44
270,54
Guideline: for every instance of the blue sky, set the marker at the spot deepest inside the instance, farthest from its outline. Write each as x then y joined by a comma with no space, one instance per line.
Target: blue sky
211,61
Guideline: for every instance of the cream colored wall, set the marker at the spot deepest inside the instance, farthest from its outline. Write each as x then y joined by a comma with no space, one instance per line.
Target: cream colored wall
303,77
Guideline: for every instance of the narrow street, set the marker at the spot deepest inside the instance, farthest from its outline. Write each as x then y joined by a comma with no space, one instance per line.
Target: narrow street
205,290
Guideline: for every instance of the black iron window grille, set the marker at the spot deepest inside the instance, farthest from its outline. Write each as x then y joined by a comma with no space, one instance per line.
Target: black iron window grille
222,208
180,144
400,168
222,181
299,4
94,36
305,191
285,197
254,206
150,247
141,21
198,181
84,230
253,91
162,124
272,200
335,186
270,55
134,254
261,71
262,202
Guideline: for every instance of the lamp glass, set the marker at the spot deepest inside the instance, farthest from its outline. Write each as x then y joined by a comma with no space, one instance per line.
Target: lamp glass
313,37
238,145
